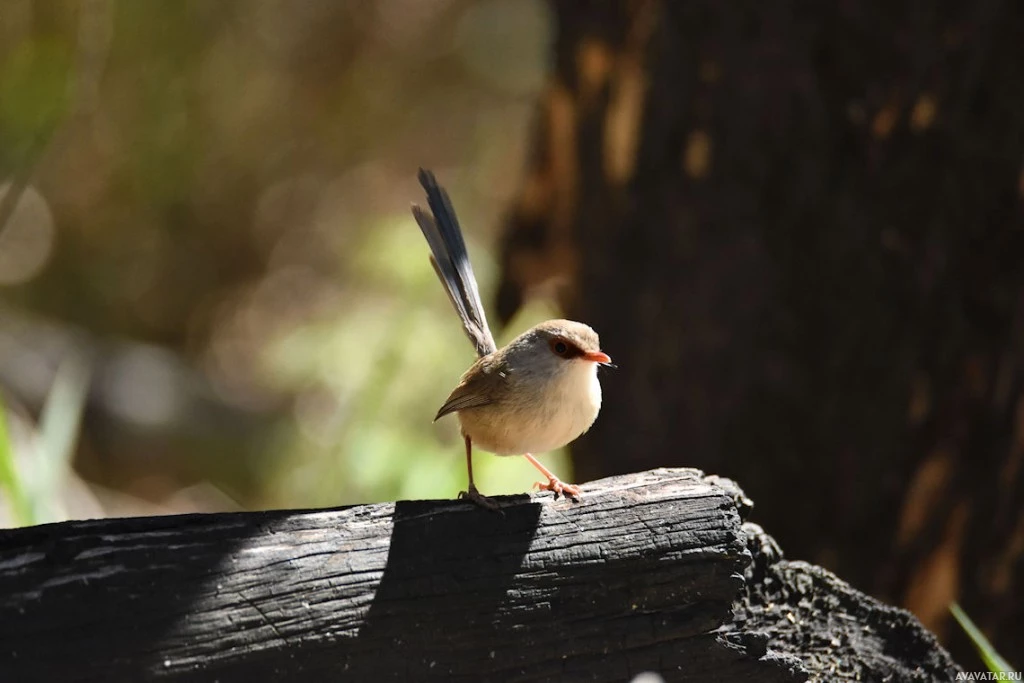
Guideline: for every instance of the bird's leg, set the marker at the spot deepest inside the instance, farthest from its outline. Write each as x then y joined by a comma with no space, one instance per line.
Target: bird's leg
471,494
554,483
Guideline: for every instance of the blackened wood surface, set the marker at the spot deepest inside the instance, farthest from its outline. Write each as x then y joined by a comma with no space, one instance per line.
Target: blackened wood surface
798,229
636,577
404,591
801,611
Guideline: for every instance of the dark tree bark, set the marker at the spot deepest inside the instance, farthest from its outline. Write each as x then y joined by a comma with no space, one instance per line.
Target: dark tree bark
651,572
798,229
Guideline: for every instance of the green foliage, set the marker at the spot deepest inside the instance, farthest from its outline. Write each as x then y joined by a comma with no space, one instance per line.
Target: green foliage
994,662
10,478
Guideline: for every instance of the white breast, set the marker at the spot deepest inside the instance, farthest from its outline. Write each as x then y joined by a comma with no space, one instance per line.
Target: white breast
568,409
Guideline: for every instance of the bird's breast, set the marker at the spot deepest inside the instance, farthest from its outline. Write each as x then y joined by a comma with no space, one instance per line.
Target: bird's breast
539,421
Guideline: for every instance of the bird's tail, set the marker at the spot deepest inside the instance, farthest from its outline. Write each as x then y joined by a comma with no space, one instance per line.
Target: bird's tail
451,262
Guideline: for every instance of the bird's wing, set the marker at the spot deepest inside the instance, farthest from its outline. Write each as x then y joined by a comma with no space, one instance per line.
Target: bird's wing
451,262
478,387
462,397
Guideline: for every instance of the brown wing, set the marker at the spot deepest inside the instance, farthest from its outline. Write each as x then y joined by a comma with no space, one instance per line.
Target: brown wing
480,386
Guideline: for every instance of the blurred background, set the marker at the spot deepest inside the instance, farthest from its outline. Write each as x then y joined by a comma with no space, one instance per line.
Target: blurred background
206,243
797,228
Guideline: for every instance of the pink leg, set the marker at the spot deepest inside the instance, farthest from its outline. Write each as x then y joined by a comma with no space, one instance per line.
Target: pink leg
554,483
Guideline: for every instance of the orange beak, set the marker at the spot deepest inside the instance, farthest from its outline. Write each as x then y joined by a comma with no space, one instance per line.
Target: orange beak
597,357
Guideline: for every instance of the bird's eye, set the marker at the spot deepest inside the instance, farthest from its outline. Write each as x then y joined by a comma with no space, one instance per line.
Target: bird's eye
560,347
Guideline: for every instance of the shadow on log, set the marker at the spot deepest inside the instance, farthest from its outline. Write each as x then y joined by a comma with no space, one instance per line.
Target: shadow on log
650,572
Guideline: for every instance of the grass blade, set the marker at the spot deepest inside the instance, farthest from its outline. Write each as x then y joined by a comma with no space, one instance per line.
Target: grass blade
993,661
10,478
59,424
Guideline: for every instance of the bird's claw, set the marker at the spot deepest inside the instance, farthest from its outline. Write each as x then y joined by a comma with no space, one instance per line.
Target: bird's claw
479,499
559,488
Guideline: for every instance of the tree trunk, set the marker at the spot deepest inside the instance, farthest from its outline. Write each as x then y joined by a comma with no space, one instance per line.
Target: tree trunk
798,229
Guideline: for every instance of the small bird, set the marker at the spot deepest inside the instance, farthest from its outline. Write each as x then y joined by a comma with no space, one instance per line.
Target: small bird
536,394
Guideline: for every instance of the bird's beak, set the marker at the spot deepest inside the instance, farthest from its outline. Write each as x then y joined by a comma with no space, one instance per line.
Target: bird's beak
598,357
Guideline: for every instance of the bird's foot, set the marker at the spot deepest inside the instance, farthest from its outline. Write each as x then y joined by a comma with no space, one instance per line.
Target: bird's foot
560,488
479,499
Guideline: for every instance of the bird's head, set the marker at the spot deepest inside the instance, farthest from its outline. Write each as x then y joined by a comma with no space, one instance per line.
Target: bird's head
557,346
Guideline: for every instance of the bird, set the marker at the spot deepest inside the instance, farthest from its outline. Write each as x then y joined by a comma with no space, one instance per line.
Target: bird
537,393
